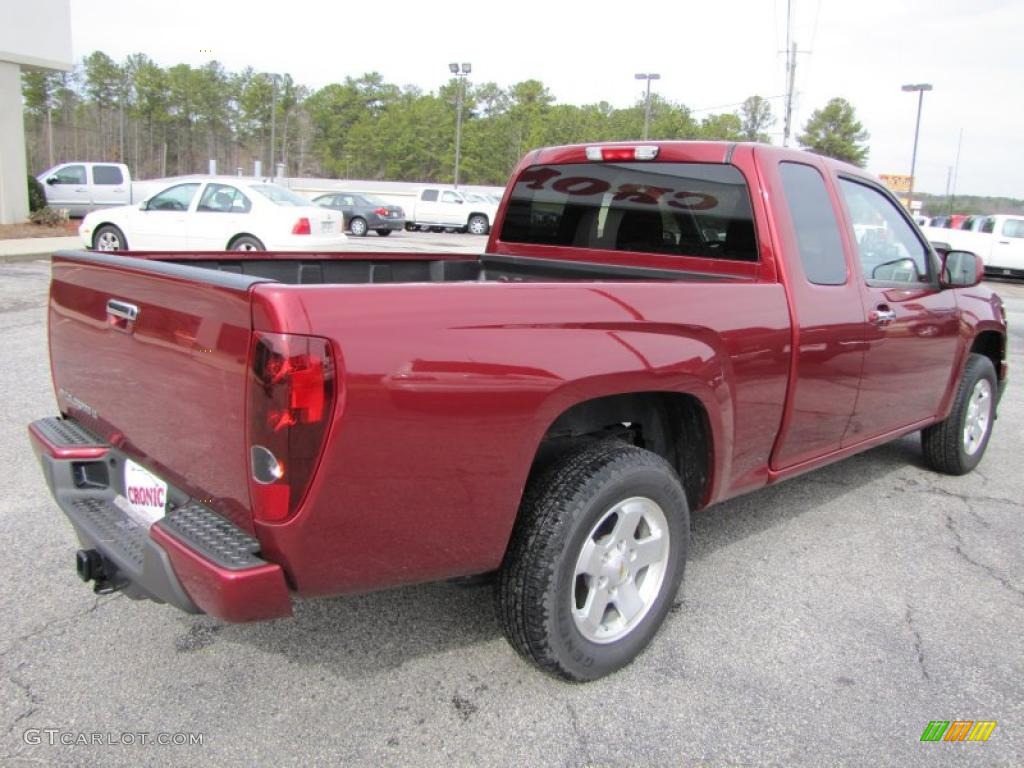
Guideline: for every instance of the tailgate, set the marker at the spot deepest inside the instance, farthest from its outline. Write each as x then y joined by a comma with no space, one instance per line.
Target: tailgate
152,356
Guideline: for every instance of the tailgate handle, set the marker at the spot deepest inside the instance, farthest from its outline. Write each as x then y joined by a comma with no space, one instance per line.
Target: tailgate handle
120,313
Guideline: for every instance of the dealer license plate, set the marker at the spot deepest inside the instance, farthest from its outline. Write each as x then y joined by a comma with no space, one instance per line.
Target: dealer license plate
146,493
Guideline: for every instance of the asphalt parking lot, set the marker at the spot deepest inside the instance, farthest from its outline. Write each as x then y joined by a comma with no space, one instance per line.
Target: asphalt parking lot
822,622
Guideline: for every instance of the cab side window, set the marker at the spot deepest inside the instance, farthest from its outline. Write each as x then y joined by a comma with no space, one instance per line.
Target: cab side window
1013,228
107,174
886,244
450,197
814,223
69,174
429,196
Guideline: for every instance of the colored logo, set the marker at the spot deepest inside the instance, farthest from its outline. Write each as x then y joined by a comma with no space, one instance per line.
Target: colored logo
958,730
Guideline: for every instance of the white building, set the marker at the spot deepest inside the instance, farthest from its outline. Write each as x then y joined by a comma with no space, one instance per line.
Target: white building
33,33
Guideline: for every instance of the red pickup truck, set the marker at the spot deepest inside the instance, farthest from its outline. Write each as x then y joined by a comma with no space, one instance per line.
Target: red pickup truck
653,328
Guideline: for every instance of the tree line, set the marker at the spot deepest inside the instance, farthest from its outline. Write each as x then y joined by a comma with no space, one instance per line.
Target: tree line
169,121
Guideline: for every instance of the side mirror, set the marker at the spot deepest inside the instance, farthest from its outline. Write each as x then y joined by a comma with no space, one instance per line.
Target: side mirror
52,180
961,269
144,205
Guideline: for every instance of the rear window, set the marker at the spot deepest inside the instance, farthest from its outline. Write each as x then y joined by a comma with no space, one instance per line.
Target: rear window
683,209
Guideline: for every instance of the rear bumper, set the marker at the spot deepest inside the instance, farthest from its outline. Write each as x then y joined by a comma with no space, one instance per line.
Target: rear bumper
192,558
378,222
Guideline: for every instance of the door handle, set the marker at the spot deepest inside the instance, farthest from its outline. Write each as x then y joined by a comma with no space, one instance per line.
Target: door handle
121,315
1004,242
882,315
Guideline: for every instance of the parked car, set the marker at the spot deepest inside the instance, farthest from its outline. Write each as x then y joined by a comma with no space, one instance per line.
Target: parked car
998,240
215,214
82,187
651,329
439,209
364,212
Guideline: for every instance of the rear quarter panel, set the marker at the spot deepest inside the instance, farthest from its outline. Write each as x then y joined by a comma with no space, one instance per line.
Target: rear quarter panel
448,390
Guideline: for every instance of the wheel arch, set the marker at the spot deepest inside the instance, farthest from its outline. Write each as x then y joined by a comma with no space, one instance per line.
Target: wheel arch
991,344
677,426
101,225
235,238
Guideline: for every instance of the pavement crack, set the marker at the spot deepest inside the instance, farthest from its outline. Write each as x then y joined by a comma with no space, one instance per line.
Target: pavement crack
34,700
58,622
969,499
918,647
958,548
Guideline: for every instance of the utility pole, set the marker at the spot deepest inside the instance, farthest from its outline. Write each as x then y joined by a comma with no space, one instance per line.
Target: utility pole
956,170
790,80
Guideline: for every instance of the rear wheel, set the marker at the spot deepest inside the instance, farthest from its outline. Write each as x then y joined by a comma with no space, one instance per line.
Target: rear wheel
383,232
357,227
109,238
246,243
956,445
595,560
478,224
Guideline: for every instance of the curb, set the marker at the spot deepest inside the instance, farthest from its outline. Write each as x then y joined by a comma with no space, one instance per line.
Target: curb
10,258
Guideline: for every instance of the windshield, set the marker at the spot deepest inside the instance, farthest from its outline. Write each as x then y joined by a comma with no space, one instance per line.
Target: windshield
281,196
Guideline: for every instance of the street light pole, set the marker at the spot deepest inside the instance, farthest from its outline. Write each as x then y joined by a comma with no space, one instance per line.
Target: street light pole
648,76
920,88
460,74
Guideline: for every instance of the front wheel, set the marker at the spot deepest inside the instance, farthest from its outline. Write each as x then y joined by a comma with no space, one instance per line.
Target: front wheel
595,560
955,446
109,238
478,224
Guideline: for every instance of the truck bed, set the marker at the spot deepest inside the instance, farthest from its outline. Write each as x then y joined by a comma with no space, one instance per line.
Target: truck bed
363,268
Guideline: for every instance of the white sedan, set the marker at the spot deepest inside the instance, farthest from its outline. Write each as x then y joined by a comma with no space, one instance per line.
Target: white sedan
216,215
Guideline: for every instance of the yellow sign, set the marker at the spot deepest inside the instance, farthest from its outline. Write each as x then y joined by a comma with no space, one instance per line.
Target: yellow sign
897,183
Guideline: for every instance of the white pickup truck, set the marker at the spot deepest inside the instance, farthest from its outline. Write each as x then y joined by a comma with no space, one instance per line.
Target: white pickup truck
439,208
82,187
998,240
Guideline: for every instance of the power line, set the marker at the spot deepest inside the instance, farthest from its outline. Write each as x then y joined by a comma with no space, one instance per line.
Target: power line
737,104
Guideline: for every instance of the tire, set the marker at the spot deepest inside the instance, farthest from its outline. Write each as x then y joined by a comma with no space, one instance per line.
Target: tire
109,238
357,227
383,232
478,224
246,243
579,504
955,446
410,227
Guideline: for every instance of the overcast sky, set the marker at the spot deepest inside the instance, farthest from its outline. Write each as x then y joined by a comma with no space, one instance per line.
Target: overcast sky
711,56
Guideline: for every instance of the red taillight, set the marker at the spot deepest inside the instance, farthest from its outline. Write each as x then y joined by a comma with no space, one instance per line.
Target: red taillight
292,390
622,154
301,227
381,211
